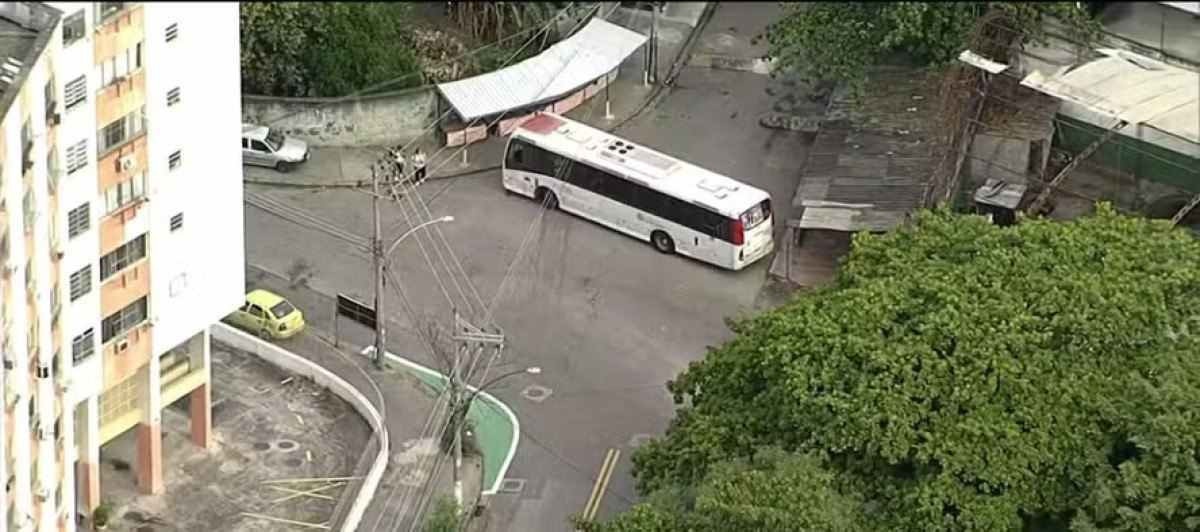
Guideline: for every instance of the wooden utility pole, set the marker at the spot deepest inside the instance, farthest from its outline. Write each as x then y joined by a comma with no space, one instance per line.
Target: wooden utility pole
377,254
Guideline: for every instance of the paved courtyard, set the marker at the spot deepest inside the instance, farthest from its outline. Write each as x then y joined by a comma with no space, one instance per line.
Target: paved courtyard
267,426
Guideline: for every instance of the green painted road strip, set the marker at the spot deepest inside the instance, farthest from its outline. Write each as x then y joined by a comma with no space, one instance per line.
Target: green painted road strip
496,427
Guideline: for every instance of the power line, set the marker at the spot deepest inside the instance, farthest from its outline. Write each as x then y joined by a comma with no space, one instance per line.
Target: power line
467,279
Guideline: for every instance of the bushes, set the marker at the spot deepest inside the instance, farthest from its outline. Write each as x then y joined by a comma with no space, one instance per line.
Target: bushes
326,49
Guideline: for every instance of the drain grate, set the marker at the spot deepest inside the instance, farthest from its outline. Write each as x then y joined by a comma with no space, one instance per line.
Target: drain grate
286,445
512,485
261,446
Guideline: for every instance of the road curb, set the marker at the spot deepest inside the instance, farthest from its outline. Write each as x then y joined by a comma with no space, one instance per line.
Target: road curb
504,409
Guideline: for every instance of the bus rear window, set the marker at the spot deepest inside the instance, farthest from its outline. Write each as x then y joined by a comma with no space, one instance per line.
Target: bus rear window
751,218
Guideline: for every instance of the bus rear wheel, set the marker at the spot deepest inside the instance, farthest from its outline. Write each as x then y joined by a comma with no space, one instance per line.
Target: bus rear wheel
662,242
546,198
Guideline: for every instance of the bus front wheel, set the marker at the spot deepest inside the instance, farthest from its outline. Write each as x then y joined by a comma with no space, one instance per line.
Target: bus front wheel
662,242
547,198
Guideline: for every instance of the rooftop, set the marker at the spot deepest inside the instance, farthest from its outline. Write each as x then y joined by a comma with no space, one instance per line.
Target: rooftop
25,29
871,161
1126,86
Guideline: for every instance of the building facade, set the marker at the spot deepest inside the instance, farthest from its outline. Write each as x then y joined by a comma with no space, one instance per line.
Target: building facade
121,237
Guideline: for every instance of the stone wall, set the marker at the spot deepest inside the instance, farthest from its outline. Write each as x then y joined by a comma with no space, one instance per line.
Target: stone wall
378,120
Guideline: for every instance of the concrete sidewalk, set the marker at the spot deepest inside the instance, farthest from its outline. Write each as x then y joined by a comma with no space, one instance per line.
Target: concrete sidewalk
629,95
403,399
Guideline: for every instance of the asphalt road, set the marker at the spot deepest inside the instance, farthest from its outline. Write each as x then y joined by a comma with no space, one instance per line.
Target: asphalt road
608,319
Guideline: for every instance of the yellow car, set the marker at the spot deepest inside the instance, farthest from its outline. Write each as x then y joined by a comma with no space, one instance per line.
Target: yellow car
268,314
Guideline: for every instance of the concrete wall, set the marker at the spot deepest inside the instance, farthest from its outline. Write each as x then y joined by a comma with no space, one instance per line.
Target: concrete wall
296,364
378,120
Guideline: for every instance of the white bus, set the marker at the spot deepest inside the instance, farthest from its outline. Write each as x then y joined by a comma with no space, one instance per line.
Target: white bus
676,206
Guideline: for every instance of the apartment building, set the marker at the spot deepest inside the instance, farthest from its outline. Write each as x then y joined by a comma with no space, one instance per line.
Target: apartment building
121,237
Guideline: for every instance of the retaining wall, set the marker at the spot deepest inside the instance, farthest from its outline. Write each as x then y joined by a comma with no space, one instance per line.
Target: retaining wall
378,120
301,366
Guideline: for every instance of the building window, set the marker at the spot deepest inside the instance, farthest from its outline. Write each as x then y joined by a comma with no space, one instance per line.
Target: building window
81,282
137,56
78,220
123,320
74,28
177,222
77,156
172,32
120,258
121,130
175,160
173,96
125,192
49,98
75,92
83,346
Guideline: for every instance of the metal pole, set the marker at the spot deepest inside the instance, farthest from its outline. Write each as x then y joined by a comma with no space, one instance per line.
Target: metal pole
336,335
377,251
459,414
607,103
653,43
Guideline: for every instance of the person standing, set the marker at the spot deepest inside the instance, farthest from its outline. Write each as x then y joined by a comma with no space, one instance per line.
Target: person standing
398,161
419,165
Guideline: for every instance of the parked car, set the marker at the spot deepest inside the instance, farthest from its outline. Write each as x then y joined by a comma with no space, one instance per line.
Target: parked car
263,146
266,313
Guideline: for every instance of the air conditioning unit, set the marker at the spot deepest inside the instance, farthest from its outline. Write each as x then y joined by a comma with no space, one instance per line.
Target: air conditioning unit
55,119
127,163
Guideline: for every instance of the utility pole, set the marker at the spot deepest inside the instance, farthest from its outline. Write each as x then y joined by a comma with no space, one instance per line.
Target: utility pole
653,42
470,338
377,253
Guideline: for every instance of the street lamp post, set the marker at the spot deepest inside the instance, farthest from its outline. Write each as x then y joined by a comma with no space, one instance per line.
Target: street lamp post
460,413
381,256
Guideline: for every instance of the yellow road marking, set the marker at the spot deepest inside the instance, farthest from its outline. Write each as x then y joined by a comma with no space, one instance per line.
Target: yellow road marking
601,485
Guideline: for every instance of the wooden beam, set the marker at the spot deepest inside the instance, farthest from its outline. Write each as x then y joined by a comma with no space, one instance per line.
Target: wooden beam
1044,195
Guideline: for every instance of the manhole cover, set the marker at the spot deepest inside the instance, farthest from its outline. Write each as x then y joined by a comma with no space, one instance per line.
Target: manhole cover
512,485
261,446
293,462
536,393
286,445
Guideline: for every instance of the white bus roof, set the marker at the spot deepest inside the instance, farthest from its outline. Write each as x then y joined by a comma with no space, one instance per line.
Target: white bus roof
640,164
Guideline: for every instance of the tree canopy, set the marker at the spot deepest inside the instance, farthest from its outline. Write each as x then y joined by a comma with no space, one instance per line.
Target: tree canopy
326,49
839,41
958,376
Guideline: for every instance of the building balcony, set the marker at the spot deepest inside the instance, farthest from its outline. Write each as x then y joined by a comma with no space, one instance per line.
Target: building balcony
125,287
123,162
126,354
121,97
117,23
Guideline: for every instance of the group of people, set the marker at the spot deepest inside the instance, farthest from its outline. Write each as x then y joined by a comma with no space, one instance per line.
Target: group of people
418,160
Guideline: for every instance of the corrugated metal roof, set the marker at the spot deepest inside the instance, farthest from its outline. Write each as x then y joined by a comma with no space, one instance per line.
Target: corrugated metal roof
1190,7
1133,88
594,51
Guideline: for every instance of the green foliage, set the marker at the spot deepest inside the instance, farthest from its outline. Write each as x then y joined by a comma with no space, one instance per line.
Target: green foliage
444,517
326,49
962,376
773,491
839,41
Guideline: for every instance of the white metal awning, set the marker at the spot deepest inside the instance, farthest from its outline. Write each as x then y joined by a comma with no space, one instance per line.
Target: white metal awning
1131,88
1190,7
566,66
